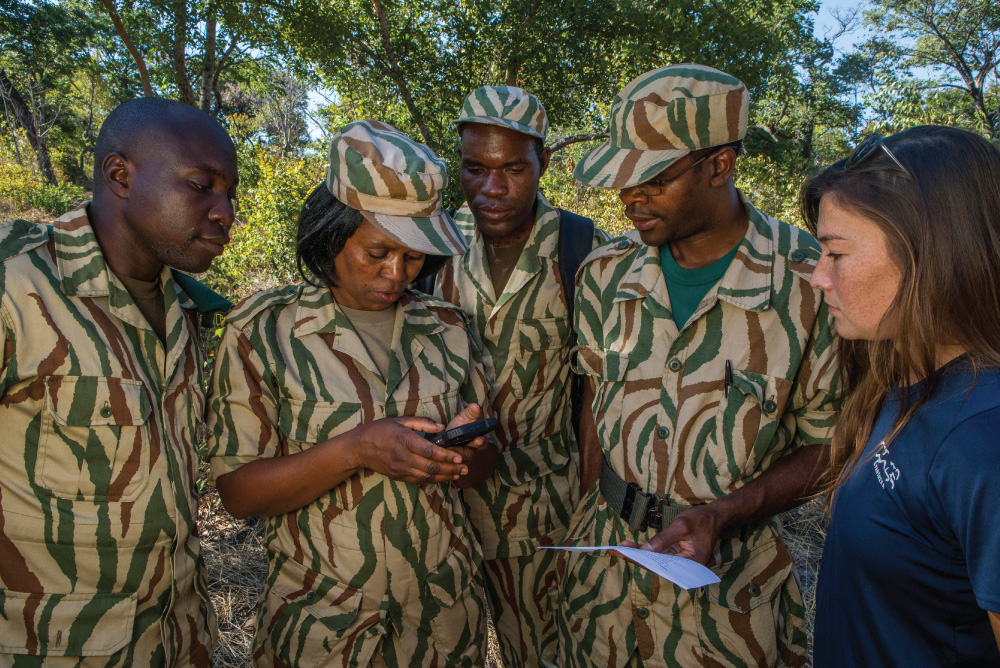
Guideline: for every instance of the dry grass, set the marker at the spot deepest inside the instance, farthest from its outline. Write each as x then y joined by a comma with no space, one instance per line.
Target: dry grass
236,564
9,211
234,556
804,532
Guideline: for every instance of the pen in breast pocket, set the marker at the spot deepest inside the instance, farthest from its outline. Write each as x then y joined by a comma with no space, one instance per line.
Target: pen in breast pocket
727,379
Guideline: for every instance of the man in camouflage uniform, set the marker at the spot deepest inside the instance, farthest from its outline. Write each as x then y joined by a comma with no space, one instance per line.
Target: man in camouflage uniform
510,285
710,366
102,401
366,566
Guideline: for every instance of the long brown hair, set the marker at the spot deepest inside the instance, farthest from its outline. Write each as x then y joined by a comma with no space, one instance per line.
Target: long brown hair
941,220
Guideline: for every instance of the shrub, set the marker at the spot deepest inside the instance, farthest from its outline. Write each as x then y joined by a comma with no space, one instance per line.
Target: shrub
56,200
272,189
16,187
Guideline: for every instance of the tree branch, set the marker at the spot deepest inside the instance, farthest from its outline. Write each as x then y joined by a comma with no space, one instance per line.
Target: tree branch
140,63
573,139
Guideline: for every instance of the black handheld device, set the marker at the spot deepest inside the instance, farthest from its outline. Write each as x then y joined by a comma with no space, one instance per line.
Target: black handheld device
449,438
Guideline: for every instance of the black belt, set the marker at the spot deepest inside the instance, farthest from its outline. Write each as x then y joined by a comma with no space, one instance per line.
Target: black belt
642,510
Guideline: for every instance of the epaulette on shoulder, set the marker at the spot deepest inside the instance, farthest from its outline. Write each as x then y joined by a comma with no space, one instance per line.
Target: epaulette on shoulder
618,246
434,303
250,307
803,253
20,236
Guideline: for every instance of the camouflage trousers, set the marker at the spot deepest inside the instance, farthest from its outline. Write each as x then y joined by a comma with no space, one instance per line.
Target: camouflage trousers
612,613
522,593
405,622
112,629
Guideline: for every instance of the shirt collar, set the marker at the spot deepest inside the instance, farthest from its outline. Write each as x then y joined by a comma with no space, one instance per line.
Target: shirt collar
746,283
82,269
317,312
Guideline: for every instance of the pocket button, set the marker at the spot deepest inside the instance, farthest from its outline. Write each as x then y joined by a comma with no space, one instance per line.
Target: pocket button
310,597
106,411
662,432
753,590
769,406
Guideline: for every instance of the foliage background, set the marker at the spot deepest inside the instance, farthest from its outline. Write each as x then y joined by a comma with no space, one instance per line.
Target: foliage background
282,75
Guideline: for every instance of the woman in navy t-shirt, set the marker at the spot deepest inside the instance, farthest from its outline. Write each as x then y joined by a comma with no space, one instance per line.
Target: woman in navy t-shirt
910,229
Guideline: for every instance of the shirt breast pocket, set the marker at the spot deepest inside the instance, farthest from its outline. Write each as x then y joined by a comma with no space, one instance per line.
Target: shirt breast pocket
540,355
748,420
95,439
306,422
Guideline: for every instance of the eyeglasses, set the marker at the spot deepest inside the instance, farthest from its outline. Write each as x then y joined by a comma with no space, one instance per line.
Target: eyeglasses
654,187
868,148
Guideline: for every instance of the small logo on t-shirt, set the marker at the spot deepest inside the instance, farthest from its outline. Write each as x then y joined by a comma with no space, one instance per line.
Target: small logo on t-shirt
885,470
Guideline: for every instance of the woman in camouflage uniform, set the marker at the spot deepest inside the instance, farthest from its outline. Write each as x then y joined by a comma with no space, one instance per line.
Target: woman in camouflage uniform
318,391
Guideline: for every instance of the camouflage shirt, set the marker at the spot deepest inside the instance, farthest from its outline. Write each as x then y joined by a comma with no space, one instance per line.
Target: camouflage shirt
666,422
530,498
292,372
99,554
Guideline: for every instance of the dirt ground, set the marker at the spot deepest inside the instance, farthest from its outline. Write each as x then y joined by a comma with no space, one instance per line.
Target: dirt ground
234,556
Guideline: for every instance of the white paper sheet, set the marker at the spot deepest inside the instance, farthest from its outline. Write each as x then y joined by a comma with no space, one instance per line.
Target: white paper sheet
682,572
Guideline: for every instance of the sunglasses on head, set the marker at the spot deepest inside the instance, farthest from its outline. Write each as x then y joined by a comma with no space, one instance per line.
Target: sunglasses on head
870,147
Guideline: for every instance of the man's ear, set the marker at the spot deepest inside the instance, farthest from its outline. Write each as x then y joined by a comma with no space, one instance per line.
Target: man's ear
543,160
117,172
723,166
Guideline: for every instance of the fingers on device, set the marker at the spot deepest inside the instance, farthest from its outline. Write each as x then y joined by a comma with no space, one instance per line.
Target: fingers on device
461,435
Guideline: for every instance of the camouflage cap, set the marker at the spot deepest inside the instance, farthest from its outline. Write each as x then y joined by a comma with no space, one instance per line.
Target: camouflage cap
396,183
506,106
661,116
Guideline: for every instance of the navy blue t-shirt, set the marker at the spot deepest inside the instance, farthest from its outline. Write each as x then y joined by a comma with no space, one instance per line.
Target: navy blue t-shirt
912,556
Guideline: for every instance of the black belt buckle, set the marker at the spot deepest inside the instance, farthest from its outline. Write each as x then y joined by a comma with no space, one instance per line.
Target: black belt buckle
653,515
631,490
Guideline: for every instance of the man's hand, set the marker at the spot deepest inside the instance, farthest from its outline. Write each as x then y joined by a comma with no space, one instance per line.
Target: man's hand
390,446
470,414
479,455
692,535
785,484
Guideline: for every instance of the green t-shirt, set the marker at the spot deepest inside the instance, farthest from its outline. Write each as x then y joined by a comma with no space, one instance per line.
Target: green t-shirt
687,287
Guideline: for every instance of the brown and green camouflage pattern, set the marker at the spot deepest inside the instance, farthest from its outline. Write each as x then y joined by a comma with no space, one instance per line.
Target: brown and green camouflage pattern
396,183
664,422
506,106
663,115
376,570
99,553
529,500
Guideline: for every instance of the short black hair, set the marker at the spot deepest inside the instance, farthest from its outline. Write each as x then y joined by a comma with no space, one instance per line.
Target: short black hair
325,225
130,123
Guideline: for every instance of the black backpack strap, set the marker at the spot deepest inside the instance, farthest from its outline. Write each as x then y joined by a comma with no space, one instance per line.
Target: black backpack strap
576,240
425,284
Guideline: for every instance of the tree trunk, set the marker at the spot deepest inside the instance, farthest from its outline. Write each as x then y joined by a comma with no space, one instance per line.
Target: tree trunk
180,47
147,87
397,74
27,121
13,133
208,63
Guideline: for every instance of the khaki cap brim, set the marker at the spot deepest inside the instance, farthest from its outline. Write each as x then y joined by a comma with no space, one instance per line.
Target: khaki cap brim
412,232
615,168
502,122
